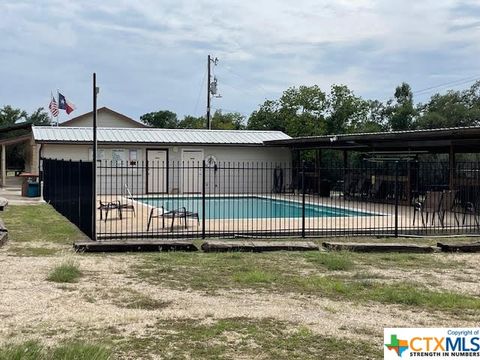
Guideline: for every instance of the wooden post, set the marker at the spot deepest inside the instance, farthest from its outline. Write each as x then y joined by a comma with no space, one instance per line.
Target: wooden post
409,183
4,166
451,165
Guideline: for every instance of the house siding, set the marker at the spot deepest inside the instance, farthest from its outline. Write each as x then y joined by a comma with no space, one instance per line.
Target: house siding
237,170
104,119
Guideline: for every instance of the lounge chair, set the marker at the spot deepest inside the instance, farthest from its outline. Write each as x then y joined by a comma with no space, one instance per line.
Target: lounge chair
431,204
129,204
180,213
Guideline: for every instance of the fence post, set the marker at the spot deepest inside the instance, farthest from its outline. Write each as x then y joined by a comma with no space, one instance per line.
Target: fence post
203,199
396,198
303,198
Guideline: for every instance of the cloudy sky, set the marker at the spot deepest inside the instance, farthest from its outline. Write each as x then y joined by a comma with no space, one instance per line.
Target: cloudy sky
151,55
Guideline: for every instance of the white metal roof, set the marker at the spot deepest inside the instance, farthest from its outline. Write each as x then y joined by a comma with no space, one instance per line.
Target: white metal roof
56,134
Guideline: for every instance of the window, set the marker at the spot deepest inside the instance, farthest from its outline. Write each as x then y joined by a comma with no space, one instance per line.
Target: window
100,154
119,155
133,156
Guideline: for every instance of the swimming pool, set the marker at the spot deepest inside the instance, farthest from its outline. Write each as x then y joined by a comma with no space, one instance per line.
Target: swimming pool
248,207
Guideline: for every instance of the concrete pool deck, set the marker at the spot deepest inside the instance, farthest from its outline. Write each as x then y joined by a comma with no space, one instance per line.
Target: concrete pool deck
382,222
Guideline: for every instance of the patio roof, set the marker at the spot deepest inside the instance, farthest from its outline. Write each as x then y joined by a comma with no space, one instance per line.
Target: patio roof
462,139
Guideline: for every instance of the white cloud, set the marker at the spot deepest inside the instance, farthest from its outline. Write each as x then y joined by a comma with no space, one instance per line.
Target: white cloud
154,51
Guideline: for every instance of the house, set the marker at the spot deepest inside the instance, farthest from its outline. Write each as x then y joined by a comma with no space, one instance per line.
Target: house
153,160
105,118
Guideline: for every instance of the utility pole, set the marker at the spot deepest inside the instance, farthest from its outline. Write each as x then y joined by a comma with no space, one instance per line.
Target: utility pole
209,126
211,88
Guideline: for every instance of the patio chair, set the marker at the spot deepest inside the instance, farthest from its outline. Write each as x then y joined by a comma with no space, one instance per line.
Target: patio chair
431,204
109,206
180,213
349,187
471,208
129,204
364,187
379,190
448,203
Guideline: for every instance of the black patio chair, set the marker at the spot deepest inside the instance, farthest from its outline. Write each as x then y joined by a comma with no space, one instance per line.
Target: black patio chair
378,190
431,204
109,206
471,208
181,213
449,203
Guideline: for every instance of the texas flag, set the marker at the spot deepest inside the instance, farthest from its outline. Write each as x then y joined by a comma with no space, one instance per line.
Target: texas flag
64,104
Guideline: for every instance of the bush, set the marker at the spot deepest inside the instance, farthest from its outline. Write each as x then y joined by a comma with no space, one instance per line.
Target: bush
66,272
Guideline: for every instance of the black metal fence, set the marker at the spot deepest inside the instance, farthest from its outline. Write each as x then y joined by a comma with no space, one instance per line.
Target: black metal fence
67,186
257,199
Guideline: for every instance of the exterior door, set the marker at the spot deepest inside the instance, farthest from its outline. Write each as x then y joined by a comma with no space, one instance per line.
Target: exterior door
192,172
157,168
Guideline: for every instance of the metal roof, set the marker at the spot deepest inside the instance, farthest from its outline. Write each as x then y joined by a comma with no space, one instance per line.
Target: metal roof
439,133
54,134
441,140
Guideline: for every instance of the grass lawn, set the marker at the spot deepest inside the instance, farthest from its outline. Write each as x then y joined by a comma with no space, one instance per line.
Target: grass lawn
282,305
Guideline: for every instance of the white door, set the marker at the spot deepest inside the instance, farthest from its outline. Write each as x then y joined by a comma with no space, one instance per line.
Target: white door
157,171
192,172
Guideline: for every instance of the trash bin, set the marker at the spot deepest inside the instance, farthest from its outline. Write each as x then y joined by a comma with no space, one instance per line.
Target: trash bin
33,189
324,188
29,178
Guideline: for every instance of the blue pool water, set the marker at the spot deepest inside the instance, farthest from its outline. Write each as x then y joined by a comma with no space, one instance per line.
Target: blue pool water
248,207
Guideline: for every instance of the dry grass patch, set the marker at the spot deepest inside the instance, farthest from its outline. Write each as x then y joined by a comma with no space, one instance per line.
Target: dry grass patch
132,299
241,338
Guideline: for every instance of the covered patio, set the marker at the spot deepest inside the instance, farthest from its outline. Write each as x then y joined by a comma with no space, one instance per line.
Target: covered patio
457,149
11,136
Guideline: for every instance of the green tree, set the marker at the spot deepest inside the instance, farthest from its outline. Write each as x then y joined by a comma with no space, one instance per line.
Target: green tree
39,117
10,115
375,119
346,111
453,109
164,119
401,111
302,110
267,117
192,122
228,121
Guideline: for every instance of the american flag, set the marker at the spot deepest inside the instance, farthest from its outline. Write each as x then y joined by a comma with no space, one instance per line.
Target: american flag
53,107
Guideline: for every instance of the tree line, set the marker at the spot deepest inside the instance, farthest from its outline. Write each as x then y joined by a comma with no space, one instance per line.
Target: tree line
308,110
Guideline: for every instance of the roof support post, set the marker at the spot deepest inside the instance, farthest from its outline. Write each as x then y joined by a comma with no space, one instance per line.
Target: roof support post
3,166
318,166
451,166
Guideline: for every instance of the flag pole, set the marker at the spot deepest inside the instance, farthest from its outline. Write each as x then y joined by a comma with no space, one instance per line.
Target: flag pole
58,104
52,118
